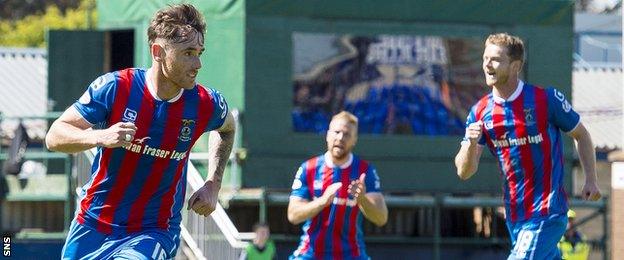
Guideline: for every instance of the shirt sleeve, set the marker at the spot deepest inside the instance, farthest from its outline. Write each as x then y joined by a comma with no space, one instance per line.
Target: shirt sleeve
96,103
560,112
220,110
372,182
472,118
300,185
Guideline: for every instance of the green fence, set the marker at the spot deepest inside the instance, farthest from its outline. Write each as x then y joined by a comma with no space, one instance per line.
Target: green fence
40,206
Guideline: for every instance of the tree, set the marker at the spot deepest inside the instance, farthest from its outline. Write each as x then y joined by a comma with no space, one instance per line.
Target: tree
30,30
17,9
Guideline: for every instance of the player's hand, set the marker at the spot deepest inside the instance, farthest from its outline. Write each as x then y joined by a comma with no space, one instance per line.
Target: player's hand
330,193
204,200
474,131
591,191
357,189
117,135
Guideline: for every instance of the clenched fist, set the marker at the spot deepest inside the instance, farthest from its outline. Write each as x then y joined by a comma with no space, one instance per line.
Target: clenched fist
474,131
117,135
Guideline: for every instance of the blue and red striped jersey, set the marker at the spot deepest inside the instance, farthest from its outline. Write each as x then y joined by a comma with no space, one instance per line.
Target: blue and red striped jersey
524,134
336,232
142,186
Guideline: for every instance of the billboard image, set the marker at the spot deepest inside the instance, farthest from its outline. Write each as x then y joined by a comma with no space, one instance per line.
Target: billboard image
394,84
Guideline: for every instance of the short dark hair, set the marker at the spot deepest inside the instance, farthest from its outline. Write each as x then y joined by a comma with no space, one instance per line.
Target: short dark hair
260,225
176,23
513,44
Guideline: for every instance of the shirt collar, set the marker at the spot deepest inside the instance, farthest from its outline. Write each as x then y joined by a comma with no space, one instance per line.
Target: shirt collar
330,163
513,96
152,89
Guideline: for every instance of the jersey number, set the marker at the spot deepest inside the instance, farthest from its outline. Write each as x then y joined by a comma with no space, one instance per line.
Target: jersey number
159,252
525,239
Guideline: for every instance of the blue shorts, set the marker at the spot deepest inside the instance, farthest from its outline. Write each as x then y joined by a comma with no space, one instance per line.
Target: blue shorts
327,256
86,243
537,238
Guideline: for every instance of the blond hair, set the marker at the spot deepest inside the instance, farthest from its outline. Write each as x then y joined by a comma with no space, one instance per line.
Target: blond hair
513,44
348,117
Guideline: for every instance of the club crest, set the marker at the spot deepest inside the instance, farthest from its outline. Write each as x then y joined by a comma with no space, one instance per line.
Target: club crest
185,132
528,116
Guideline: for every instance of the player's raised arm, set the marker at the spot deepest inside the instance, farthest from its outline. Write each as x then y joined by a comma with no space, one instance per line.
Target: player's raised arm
467,159
587,157
372,204
71,133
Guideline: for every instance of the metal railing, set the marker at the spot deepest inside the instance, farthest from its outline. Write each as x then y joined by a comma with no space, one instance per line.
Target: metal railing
439,202
215,235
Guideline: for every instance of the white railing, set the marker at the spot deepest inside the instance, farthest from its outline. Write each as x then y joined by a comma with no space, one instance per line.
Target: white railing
214,237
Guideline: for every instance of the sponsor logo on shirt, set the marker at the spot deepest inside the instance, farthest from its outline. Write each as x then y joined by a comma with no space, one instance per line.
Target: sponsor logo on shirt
565,105
508,141
142,140
220,101
139,146
129,115
559,95
344,201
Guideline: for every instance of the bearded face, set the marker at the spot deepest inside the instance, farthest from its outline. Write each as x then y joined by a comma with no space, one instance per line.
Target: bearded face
341,138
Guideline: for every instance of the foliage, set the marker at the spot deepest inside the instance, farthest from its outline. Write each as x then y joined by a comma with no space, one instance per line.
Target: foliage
18,9
30,30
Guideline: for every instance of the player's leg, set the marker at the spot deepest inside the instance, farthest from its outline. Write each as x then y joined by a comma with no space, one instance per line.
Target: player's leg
147,245
538,239
81,241
513,230
553,230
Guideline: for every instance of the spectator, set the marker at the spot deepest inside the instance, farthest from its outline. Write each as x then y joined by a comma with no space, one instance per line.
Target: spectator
573,244
262,247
